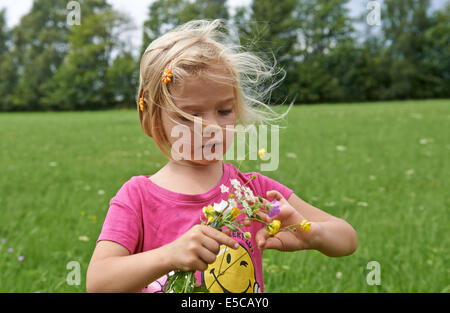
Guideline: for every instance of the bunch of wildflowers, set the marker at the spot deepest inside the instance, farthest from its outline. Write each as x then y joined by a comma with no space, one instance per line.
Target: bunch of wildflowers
225,214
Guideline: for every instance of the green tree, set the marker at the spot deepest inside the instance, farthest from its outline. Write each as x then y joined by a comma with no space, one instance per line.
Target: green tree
164,15
325,35
7,66
404,26
81,80
4,33
40,43
436,59
122,79
271,31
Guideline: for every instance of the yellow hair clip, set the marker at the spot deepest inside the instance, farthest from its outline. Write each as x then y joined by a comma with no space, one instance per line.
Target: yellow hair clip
141,103
167,76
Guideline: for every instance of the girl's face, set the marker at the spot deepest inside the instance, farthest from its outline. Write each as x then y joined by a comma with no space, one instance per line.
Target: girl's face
214,103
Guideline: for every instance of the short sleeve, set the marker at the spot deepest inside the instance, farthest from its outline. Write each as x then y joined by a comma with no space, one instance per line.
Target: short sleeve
123,221
266,184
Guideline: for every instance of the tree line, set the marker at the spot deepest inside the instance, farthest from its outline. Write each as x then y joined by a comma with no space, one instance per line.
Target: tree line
327,55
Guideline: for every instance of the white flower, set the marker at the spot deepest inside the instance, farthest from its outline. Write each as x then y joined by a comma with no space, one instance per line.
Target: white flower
83,238
291,155
232,204
410,171
425,141
341,148
245,204
224,188
219,207
238,194
236,184
248,193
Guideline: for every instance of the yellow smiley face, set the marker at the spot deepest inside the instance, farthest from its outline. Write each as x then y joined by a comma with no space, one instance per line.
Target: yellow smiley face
232,272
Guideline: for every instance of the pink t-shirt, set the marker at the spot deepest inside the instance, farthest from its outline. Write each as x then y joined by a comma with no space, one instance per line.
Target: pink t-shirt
144,216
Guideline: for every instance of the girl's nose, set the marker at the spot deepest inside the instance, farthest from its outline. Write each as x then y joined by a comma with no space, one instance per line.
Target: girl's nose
213,126
211,118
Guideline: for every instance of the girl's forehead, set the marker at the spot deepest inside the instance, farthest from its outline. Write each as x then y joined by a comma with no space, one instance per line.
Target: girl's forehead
200,91
192,105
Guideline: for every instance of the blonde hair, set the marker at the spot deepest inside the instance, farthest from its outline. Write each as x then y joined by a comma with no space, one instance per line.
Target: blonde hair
197,48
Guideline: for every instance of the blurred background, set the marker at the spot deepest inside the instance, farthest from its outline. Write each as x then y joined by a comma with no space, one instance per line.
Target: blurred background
332,51
367,140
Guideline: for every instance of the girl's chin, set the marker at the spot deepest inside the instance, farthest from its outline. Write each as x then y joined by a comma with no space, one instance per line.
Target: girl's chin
204,161
191,159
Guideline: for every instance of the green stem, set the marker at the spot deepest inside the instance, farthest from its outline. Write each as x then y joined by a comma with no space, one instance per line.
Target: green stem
253,177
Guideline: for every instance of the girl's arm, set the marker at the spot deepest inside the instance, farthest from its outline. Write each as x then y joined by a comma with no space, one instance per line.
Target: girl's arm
113,269
333,237
330,235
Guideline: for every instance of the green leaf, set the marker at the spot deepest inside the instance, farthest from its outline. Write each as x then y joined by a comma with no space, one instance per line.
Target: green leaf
231,226
200,288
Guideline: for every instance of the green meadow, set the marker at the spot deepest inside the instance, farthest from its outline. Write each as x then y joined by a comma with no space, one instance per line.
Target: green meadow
383,167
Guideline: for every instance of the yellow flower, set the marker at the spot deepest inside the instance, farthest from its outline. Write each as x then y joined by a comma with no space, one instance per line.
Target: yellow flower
305,226
93,218
273,228
235,213
262,153
208,210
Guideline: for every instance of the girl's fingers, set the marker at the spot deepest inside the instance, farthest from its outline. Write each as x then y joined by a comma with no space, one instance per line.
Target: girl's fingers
261,238
265,241
264,217
207,256
247,222
226,231
211,245
274,194
273,243
220,237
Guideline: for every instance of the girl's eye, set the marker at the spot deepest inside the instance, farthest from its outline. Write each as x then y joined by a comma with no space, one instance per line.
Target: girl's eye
182,118
225,112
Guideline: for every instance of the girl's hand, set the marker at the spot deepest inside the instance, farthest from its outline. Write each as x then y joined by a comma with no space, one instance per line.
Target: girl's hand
197,248
284,240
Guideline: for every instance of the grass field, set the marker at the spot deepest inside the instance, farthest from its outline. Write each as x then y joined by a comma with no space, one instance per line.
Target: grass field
383,167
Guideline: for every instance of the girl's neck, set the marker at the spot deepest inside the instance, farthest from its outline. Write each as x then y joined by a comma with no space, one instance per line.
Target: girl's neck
198,172
188,179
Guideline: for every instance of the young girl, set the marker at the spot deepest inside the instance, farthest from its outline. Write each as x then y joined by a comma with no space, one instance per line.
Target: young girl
153,224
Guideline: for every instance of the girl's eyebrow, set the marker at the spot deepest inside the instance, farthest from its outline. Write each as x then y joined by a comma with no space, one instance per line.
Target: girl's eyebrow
197,106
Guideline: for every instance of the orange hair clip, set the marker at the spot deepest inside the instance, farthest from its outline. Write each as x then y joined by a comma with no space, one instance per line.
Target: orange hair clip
141,103
167,76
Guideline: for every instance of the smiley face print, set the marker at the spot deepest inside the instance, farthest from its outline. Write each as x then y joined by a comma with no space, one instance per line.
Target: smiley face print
232,272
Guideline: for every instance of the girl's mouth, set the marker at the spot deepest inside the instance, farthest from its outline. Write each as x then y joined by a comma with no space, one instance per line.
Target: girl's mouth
212,146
